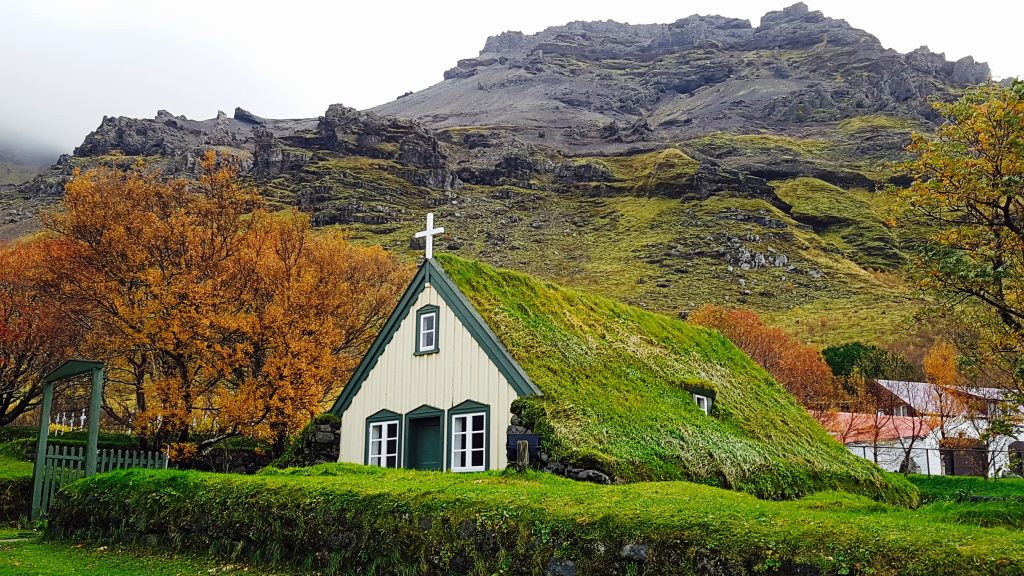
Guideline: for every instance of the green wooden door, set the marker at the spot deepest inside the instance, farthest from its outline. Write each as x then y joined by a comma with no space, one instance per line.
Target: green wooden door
425,445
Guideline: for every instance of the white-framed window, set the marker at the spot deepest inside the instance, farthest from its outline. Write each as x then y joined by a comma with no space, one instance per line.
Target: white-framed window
703,402
900,411
427,330
383,444
469,441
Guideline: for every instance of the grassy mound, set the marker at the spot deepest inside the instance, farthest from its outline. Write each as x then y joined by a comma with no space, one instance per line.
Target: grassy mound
617,381
968,488
355,519
15,488
845,218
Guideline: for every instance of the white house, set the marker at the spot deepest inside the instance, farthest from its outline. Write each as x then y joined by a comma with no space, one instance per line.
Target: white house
941,425
895,443
435,389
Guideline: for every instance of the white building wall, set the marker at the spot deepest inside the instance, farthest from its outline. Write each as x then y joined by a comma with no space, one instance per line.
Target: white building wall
402,382
926,453
890,455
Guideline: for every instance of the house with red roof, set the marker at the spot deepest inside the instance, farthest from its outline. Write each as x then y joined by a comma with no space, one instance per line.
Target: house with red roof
932,429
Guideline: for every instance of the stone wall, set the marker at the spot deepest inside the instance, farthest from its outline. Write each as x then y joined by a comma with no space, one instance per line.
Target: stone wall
317,443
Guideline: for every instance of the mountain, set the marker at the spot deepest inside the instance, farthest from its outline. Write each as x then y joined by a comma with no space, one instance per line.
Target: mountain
591,85
667,165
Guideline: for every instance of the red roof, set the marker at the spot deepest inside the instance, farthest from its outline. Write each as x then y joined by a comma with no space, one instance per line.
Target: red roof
856,428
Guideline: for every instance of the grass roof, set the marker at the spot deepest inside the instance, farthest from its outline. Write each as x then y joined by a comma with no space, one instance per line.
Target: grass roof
617,380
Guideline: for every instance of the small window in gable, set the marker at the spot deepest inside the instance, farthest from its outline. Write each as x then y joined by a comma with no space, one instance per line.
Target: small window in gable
427,333
703,402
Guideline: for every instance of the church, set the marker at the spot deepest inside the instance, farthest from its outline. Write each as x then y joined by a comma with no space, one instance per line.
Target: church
435,389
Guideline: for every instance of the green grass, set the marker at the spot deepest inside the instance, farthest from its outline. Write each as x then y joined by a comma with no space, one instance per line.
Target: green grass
14,467
844,217
376,521
35,558
616,383
961,488
876,122
727,144
659,172
15,488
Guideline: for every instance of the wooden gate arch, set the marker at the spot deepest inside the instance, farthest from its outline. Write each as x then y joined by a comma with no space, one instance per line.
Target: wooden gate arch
53,467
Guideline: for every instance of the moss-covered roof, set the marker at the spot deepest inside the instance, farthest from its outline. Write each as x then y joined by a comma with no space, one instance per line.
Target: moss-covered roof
616,381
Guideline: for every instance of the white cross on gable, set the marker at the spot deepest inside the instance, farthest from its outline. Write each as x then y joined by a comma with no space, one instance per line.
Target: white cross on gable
429,234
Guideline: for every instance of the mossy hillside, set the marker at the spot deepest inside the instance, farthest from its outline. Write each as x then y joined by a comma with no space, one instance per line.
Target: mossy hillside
878,123
858,150
661,172
14,174
617,380
844,217
342,518
656,252
725,144
620,238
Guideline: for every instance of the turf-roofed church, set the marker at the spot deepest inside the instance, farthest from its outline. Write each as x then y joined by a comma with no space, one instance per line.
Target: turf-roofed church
612,392
435,389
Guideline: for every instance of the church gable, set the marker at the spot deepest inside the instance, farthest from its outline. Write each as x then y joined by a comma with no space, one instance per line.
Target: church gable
432,293
435,389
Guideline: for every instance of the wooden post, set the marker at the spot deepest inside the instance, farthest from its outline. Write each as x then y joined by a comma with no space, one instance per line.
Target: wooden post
522,455
44,432
94,421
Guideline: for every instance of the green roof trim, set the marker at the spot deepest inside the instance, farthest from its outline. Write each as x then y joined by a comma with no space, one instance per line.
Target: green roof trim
72,368
433,274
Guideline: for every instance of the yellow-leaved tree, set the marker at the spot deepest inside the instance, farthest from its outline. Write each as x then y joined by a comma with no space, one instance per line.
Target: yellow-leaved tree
214,314
968,187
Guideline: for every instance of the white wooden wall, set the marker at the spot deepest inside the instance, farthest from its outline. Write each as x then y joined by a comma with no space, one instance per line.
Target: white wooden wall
402,382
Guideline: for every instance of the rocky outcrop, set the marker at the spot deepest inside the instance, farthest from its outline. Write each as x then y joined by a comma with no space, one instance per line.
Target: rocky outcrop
351,132
796,28
317,443
712,178
272,158
576,172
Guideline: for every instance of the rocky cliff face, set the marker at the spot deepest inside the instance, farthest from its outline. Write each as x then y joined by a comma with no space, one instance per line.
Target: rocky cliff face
699,74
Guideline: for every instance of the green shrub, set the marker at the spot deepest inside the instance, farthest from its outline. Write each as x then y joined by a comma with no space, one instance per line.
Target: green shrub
25,448
15,498
355,519
9,433
870,360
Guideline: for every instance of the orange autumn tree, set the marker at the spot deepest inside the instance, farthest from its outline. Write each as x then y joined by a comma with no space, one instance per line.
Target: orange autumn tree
801,369
34,335
209,309
313,304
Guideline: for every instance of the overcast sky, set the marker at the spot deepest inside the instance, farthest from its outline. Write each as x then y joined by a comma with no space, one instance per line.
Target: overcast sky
66,64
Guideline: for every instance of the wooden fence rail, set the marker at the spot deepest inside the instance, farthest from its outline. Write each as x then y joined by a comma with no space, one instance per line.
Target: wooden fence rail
64,465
